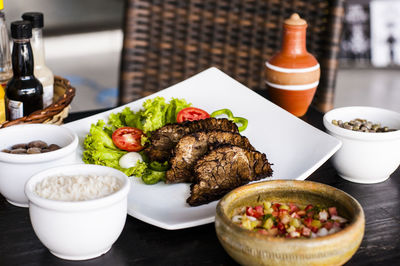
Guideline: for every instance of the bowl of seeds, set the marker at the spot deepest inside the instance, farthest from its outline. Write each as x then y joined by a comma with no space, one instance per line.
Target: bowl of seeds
30,148
370,137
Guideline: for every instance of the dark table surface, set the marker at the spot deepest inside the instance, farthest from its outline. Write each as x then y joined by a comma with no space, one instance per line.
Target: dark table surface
144,244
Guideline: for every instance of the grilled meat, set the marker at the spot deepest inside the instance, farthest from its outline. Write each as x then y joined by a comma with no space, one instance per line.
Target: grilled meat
164,139
224,169
192,147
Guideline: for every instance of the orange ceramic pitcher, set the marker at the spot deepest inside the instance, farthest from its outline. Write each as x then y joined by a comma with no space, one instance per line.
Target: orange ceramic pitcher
292,75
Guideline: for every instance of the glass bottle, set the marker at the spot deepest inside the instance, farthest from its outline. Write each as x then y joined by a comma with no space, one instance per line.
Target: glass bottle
5,56
41,71
24,92
5,62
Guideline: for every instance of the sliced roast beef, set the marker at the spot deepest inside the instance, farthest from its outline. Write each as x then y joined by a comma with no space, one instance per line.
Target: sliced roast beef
164,139
192,147
224,169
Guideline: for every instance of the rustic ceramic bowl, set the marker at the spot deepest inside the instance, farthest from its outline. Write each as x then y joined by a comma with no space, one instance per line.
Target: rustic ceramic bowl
251,248
365,157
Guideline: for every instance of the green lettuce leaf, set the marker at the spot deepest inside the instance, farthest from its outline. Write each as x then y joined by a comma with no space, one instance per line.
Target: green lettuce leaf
100,149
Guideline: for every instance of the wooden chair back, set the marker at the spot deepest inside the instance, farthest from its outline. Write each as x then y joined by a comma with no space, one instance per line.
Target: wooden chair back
167,41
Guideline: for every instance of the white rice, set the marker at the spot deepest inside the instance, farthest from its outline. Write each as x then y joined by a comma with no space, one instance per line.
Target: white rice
77,188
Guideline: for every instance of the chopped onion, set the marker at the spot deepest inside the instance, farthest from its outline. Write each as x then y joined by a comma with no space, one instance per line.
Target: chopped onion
338,219
237,218
251,218
322,232
323,215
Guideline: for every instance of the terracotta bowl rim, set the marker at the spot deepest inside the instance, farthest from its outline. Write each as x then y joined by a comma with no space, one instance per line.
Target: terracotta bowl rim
358,216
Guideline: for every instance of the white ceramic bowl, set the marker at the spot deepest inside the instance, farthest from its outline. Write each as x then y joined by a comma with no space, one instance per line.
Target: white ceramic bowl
78,230
16,169
365,157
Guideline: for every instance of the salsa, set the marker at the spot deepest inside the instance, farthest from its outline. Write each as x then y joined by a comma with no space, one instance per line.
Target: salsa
289,220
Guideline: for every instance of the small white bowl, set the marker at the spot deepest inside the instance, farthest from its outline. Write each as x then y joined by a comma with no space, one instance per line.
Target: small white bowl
78,230
365,157
16,169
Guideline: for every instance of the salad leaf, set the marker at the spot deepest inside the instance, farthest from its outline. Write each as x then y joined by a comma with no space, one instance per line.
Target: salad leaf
175,105
155,114
100,149
98,137
151,177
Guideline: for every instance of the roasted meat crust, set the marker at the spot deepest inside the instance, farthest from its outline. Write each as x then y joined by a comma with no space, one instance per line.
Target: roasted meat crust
193,146
224,169
164,139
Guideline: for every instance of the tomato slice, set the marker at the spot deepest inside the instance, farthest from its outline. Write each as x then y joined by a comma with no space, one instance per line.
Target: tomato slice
191,114
128,138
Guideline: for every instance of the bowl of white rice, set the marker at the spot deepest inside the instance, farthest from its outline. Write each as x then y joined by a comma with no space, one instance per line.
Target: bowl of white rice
78,211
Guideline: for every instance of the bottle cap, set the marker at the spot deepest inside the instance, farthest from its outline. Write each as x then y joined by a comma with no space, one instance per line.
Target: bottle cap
36,18
21,29
295,20
1,5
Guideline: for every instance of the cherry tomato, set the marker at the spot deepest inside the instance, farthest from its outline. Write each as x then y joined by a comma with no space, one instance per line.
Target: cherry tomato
128,138
191,114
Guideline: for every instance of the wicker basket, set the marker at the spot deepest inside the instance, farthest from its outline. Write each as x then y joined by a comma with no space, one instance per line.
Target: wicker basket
53,114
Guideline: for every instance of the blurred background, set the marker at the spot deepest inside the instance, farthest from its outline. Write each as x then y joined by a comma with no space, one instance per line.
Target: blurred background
83,41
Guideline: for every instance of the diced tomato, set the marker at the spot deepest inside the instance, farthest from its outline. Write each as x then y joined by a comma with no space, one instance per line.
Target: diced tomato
310,214
281,228
275,214
309,207
191,114
276,206
259,210
283,212
332,211
128,138
314,229
295,215
249,211
328,225
301,212
252,212
306,231
308,221
293,208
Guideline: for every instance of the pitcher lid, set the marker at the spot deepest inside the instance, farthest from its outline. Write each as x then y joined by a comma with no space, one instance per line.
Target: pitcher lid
295,20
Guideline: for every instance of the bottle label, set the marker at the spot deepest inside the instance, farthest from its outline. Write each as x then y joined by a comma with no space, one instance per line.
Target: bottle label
15,109
47,95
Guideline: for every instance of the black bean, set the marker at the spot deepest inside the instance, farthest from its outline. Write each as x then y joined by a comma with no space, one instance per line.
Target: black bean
37,144
19,146
34,150
53,147
18,151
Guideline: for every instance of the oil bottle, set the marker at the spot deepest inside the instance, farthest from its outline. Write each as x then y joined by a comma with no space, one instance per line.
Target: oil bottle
24,92
41,71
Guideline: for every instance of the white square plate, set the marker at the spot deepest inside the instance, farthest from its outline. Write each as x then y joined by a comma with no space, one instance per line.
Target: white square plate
295,148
